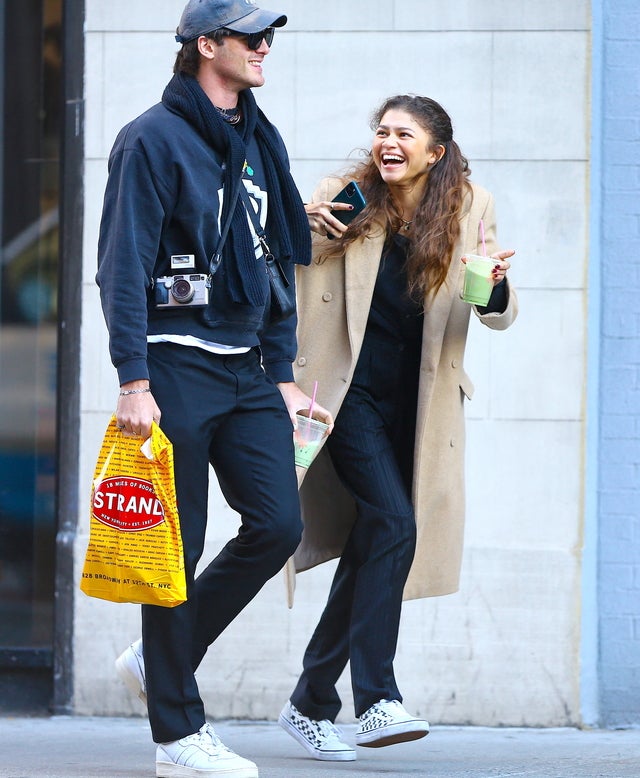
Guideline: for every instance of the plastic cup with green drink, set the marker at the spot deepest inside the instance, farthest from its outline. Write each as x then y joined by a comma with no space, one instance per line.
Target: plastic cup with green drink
307,439
478,279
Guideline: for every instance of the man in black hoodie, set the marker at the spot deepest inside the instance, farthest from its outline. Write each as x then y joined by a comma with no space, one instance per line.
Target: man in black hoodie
186,299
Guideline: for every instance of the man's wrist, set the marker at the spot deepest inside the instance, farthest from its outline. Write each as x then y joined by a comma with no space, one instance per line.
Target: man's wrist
125,392
139,386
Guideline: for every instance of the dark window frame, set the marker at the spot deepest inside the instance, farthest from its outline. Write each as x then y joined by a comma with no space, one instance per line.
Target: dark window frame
69,331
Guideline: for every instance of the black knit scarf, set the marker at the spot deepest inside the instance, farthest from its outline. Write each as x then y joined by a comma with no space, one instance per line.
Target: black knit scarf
288,226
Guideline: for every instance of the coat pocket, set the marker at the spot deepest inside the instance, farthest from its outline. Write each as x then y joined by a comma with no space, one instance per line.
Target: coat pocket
466,384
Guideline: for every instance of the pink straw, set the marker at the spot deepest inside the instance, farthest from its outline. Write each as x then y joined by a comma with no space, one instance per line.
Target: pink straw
484,247
313,398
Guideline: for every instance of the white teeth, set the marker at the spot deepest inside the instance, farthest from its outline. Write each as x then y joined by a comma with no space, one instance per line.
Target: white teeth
391,158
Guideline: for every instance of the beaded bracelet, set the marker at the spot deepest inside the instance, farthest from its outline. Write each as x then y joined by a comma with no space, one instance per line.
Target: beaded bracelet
133,391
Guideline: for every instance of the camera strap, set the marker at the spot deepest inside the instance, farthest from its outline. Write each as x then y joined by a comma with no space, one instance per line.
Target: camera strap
271,261
283,302
216,257
262,237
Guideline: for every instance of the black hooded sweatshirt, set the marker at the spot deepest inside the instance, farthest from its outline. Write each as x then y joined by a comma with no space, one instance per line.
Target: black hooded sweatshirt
164,197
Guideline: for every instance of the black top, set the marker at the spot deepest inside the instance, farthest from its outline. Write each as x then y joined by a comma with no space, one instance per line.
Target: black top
393,313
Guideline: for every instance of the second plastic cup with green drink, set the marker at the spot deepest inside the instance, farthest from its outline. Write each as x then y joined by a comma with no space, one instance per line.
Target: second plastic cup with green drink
307,439
478,279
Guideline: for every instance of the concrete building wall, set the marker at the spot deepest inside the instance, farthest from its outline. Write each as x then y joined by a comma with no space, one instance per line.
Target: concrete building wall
619,449
515,78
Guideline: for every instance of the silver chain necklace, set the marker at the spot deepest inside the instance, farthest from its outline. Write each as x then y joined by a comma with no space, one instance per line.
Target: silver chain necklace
230,115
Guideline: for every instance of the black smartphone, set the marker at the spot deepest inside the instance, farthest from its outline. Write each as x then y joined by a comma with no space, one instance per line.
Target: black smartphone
352,195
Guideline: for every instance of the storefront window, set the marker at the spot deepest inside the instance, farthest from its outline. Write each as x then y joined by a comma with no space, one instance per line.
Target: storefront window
30,88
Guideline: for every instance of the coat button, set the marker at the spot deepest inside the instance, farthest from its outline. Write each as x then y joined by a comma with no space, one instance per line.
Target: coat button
327,297
302,361
455,362
452,443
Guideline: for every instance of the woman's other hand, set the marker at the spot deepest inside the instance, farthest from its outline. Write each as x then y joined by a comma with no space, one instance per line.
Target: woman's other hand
499,271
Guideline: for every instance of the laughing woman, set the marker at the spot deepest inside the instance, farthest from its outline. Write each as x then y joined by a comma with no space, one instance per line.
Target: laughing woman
383,329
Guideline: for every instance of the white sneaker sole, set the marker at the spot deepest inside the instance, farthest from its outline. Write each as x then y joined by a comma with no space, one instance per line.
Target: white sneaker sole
130,679
172,770
348,755
402,732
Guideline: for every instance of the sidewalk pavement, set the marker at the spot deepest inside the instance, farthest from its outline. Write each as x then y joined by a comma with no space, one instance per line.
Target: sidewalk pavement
77,747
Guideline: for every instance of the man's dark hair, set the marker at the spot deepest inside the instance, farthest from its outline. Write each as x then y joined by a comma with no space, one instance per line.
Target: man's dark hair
188,58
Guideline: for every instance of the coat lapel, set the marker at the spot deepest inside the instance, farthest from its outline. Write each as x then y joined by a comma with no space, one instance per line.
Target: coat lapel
362,261
435,324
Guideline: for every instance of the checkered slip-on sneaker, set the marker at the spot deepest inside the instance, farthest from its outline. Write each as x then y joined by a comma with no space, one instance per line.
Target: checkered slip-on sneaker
386,723
321,739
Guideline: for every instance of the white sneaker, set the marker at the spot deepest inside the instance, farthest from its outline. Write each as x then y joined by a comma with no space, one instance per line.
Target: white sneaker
386,723
322,739
199,756
130,669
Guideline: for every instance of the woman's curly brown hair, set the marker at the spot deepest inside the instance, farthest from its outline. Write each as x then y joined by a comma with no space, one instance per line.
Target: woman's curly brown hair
437,218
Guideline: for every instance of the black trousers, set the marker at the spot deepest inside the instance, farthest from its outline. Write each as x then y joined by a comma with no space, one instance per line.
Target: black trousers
372,450
221,411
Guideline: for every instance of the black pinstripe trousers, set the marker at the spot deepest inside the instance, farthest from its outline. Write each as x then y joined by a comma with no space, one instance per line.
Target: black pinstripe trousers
372,451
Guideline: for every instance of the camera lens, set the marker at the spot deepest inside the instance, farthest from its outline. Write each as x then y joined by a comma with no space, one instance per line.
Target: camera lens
182,290
350,190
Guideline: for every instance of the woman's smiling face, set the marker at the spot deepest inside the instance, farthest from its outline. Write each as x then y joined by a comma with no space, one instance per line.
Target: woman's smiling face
402,150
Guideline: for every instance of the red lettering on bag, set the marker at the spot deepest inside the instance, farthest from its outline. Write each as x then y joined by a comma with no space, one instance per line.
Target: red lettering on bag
129,506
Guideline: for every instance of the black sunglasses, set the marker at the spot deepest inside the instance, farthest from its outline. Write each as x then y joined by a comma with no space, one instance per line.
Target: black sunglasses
254,39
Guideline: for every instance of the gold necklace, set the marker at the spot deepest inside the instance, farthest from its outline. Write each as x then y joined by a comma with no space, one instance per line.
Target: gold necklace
406,225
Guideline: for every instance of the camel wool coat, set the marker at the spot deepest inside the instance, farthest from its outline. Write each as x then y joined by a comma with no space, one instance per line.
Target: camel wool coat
334,298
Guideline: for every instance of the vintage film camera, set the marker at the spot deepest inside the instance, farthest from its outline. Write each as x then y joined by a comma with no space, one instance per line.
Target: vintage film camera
190,290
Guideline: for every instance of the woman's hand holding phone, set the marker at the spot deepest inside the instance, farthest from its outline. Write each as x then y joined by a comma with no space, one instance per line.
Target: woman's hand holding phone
331,218
323,221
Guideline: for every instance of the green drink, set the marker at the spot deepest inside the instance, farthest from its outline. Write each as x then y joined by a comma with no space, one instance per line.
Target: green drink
306,452
478,281
307,439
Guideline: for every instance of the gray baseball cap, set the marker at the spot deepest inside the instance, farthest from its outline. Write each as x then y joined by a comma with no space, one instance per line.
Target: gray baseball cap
202,16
